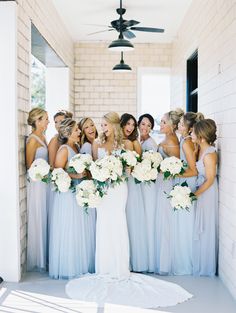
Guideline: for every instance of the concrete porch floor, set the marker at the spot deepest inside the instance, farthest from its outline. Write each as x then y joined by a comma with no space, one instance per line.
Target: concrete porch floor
38,293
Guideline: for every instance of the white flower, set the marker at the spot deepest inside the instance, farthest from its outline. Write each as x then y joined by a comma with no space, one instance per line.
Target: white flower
171,167
129,157
181,197
80,162
61,180
154,157
87,194
38,169
107,168
143,171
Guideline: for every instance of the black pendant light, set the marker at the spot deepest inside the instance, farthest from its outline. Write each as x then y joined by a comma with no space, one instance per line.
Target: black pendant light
122,67
121,44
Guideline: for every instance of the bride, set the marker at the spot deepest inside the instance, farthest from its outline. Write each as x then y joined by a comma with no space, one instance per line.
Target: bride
113,282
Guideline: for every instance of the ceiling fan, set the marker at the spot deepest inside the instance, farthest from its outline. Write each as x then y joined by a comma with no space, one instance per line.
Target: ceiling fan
126,28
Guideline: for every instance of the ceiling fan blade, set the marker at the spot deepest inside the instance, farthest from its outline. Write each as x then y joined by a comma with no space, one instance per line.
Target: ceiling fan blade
128,34
130,23
148,29
101,31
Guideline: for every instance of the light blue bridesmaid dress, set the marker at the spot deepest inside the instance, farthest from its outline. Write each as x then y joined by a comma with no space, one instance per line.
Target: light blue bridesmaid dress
37,217
183,220
90,221
163,224
68,245
149,198
137,227
205,243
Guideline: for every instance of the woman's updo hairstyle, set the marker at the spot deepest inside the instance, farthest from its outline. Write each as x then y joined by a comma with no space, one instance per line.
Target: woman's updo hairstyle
35,115
149,117
174,117
124,120
113,119
64,113
190,118
65,130
206,129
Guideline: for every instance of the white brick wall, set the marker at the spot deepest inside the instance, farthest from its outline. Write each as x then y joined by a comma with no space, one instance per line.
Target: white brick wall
210,26
44,16
99,90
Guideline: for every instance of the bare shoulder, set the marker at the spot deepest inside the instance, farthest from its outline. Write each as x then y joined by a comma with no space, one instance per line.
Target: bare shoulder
188,144
128,145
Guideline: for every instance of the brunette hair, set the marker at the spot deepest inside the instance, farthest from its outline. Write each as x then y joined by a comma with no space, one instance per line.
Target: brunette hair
124,120
149,117
206,129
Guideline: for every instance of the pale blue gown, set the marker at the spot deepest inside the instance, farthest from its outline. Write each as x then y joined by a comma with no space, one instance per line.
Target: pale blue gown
90,220
183,220
163,224
37,211
205,244
149,197
69,245
137,227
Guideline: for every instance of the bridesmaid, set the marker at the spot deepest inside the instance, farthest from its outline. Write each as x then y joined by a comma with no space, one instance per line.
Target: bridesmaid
88,134
68,256
146,124
205,244
36,147
135,211
54,144
168,147
182,219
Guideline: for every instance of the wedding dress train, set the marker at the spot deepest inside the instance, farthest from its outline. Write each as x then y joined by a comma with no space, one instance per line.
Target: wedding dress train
113,282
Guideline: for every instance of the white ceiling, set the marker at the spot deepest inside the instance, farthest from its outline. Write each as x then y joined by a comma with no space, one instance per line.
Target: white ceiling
82,17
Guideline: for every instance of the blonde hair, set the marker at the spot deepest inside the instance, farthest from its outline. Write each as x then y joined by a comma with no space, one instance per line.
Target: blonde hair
174,117
35,115
206,129
113,119
65,130
190,118
81,124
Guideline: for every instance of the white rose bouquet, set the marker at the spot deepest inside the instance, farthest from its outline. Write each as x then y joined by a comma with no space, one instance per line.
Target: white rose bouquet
88,195
107,170
60,180
79,163
144,171
154,157
181,197
39,171
129,158
172,167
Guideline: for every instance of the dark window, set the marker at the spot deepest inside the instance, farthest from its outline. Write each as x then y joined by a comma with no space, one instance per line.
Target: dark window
192,83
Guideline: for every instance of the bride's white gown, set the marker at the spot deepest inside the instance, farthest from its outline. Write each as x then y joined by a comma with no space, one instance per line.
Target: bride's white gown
113,282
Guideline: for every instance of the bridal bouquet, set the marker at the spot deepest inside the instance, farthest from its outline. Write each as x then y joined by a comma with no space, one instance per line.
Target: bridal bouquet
39,170
88,195
79,163
181,197
171,167
107,170
60,180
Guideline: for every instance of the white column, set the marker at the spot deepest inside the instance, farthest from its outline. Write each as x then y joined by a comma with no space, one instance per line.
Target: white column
9,173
